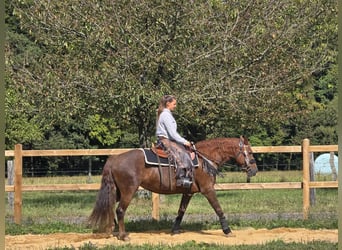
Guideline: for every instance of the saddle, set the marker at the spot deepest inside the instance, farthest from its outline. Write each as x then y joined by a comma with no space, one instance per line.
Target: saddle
157,157
159,151
152,154
162,154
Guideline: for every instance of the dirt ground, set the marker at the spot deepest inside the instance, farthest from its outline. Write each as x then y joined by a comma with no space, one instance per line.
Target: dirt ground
244,236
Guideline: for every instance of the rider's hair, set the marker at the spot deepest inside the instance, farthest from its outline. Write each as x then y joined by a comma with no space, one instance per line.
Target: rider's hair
163,101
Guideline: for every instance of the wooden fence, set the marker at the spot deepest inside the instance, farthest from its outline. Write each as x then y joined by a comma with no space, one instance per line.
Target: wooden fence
18,153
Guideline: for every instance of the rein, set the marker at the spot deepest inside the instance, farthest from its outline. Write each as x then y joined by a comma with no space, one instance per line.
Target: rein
208,164
218,163
212,161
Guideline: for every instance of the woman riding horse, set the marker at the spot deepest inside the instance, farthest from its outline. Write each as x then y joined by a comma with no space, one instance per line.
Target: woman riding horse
172,142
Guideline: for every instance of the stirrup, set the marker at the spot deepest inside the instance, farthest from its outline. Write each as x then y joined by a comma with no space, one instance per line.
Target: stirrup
183,182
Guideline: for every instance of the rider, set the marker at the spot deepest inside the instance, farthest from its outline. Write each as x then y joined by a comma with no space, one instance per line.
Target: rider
173,143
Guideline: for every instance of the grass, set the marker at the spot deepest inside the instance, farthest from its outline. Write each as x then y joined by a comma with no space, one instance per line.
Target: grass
224,177
48,205
274,245
80,203
67,211
142,225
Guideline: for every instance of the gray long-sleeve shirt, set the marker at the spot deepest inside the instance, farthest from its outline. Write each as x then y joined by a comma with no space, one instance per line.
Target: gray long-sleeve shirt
167,127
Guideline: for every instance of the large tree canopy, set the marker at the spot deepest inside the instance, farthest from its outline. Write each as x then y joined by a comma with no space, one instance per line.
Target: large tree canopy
236,67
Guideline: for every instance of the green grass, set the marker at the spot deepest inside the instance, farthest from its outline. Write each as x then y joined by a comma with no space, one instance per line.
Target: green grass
142,225
224,177
67,211
80,203
274,245
61,204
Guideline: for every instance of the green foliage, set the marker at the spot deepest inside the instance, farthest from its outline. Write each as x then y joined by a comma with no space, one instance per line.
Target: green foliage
93,72
24,123
103,130
319,125
326,85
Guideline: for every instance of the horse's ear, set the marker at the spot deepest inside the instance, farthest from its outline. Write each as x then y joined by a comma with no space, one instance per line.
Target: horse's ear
244,139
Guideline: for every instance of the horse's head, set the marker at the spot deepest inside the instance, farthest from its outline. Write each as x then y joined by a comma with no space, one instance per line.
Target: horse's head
245,157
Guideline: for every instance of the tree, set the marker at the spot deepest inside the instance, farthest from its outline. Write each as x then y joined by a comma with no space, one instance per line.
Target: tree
24,124
236,67
320,121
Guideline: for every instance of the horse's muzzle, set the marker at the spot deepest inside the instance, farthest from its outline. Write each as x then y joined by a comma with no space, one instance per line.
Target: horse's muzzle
251,170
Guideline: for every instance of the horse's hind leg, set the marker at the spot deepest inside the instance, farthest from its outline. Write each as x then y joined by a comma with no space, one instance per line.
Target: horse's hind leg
181,211
120,213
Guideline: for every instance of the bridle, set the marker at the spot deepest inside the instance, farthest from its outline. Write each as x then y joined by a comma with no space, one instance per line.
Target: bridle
244,151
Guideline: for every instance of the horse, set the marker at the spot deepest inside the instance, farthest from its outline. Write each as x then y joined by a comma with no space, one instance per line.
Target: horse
124,173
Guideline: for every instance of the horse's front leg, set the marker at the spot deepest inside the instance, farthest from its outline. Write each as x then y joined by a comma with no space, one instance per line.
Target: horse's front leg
182,208
212,198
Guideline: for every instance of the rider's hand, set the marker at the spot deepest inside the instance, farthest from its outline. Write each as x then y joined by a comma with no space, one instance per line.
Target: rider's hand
187,143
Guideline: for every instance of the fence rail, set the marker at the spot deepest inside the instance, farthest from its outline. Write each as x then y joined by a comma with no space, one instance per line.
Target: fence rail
18,153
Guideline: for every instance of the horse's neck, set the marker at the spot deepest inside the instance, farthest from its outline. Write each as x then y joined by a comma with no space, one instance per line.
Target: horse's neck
220,150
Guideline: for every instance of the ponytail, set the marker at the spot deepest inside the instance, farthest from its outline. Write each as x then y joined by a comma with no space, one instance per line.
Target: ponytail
162,103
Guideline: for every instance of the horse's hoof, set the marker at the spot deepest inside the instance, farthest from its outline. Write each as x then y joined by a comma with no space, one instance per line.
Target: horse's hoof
124,237
230,234
108,235
178,231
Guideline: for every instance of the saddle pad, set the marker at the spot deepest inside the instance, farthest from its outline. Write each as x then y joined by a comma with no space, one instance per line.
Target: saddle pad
151,158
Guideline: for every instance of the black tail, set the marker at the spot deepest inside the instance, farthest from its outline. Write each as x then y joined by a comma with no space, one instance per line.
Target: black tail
102,215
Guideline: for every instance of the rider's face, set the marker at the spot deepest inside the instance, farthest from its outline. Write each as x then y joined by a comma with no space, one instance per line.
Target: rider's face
171,105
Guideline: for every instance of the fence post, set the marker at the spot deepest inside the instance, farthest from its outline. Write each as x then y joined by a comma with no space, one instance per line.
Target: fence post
312,178
10,181
332,166
155,206
306,178
18,169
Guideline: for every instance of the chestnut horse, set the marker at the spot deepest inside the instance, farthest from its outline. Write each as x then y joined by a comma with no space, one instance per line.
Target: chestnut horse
124,173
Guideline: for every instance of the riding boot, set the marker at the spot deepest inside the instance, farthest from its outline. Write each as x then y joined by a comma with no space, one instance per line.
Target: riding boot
188,173
182,179
180,173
